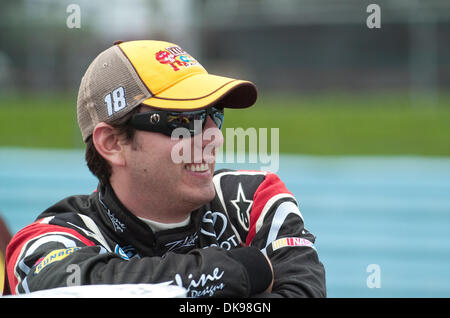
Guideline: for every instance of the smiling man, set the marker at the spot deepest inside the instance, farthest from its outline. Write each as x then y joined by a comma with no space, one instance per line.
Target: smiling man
154,219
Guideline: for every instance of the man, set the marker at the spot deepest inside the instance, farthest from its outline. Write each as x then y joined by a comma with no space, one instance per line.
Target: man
154,219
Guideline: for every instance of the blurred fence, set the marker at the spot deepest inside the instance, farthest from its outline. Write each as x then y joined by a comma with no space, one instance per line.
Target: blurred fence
288,45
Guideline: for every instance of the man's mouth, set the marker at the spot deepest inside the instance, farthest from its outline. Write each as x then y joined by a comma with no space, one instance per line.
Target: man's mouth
197,167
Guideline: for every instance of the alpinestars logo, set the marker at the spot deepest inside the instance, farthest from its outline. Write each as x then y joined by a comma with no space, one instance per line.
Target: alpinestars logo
243,207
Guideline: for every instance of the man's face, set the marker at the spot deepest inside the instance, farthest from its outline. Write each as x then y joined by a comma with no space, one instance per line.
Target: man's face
153,171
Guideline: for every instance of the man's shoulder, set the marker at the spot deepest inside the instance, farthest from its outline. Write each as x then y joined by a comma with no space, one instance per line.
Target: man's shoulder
235,183
245,195
68,216
242,189
74,204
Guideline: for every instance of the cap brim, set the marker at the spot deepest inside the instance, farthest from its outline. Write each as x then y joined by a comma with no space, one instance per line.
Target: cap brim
203,90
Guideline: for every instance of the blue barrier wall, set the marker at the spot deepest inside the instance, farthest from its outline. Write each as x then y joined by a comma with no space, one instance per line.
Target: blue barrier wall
382,223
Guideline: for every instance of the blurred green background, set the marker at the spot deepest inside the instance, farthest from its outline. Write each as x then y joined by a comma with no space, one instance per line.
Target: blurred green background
327,124
331,84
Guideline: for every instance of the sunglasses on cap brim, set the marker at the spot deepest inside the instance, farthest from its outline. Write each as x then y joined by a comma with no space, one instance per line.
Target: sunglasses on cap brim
166,122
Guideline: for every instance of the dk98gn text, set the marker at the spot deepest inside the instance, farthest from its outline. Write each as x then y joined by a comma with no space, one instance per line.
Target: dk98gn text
226,307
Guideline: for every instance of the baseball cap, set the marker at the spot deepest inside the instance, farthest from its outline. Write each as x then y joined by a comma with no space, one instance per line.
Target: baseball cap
154,73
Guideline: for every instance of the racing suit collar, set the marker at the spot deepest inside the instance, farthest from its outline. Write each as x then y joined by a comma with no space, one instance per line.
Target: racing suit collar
127,227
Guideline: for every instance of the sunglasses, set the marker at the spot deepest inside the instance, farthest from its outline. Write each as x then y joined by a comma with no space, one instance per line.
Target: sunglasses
166,122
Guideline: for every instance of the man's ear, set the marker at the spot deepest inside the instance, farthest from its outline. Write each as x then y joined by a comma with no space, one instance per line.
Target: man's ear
108,145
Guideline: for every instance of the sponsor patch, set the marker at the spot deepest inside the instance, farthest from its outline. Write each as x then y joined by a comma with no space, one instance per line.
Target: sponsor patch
291,242
55,256
176,57
118,250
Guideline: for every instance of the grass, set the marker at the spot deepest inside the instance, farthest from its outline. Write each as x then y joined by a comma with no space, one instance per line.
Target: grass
39,120
352,125
328,124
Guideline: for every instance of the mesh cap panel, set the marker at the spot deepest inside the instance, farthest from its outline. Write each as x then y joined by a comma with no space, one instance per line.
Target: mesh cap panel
110,89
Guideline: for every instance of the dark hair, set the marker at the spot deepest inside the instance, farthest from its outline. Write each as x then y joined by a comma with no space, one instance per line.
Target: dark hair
98,165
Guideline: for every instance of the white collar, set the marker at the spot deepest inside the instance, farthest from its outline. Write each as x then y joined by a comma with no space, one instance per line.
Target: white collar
158,226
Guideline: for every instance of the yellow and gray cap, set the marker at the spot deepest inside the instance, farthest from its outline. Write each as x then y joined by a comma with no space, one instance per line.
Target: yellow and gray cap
153,73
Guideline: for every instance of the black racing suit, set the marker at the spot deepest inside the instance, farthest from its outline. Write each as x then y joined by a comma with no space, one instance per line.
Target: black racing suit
94,239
